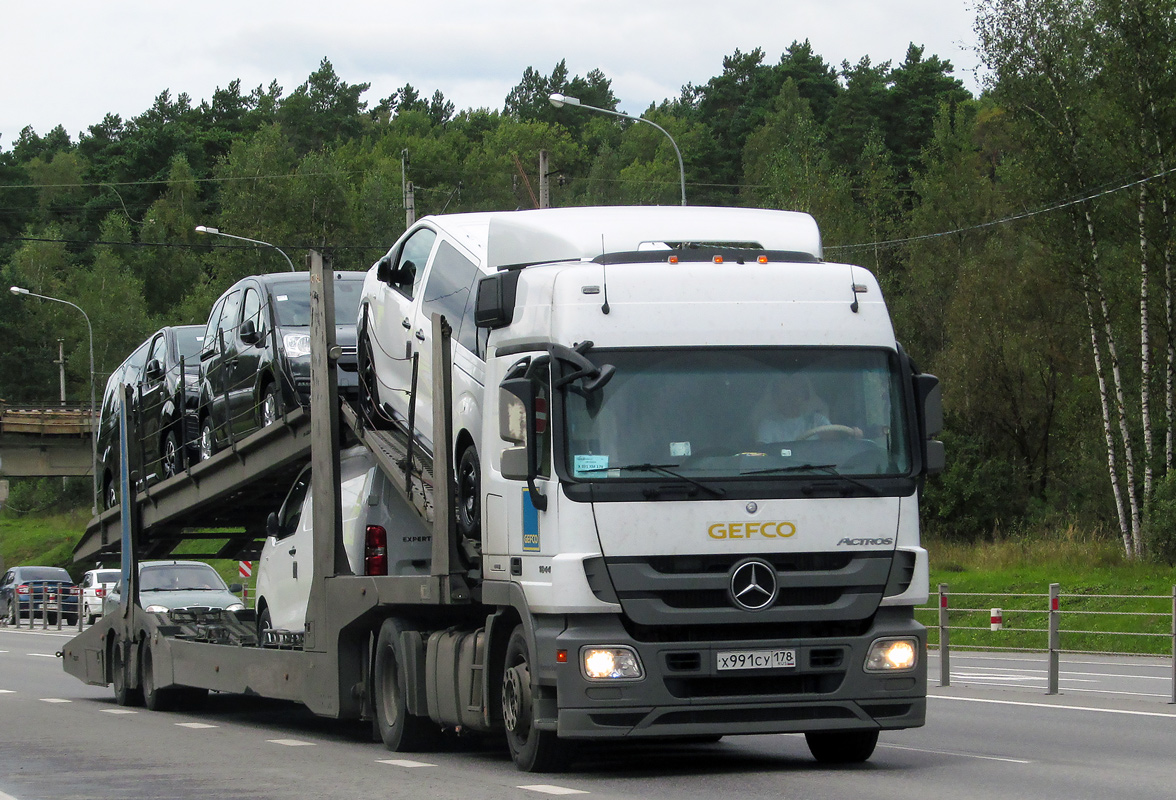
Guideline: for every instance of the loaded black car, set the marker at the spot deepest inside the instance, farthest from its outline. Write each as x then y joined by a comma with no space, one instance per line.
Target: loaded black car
255,363
163,373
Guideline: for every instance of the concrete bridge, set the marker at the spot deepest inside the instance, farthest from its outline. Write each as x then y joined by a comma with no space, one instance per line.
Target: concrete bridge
45,441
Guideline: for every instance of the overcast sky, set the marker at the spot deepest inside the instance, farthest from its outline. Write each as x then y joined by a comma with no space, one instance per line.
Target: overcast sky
71,62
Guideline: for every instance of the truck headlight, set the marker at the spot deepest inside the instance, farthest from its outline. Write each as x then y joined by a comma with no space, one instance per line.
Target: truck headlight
156,609
296,345
611,663
892,655
235,607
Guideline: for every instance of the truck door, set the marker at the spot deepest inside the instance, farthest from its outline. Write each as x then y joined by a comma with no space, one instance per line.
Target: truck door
391,317
153,393
243,398
219,367
286,560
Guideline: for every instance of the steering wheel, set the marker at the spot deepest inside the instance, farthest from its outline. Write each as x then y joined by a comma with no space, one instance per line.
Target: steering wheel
831,432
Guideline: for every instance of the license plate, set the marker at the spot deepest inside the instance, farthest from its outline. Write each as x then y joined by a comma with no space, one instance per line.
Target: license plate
755,659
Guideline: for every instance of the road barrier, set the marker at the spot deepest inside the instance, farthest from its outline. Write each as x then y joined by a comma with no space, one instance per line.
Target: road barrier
1020,629
44,602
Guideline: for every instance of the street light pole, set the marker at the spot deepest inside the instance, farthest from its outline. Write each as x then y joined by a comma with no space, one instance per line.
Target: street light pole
16,290
218,232
560,100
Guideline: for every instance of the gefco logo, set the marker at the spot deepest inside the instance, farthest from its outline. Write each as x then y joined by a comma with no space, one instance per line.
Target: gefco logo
772,529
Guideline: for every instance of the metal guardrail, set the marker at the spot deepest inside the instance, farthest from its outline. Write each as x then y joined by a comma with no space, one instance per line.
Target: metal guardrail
1052,611
42,604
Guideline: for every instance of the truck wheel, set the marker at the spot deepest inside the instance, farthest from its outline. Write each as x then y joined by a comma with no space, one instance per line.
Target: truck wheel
469,481
123,694
531,749
264,623
154,698
841,747
400,731
109,492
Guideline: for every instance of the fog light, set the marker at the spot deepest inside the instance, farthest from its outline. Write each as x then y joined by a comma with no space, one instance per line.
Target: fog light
890,655
611,663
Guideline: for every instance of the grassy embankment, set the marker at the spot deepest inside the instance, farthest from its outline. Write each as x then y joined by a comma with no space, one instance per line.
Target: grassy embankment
978,576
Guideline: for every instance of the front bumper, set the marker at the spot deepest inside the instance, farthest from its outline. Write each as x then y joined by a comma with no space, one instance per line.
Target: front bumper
684,694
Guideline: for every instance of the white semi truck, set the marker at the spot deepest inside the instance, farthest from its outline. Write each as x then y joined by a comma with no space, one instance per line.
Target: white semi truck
700,461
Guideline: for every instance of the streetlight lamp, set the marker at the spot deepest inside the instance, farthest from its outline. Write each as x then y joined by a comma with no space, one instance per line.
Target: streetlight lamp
217,232
560,100
19,292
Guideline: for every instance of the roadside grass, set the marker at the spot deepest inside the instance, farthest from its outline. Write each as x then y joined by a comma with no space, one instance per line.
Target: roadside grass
1106,603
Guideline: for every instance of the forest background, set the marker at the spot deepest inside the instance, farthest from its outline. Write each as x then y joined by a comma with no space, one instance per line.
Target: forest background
1023,238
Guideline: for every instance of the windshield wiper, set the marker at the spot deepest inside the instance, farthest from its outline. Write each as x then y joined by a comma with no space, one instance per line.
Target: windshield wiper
829,469
661,469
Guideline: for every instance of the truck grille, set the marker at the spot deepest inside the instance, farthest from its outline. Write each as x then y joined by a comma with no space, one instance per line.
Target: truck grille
828,589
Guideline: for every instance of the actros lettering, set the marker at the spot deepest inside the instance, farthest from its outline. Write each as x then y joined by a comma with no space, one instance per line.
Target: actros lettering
751,530
864,542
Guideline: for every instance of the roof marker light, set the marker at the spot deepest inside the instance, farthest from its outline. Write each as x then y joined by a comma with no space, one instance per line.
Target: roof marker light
718,259
762,259
673,259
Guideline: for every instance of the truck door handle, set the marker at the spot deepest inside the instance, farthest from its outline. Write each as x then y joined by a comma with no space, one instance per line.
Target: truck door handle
293,550
406,322
420,334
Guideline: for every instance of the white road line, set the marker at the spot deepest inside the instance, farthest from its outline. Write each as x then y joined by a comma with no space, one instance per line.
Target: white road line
119,711
544,788
290,742
6,796
1052,705
957,755
7,691
195,725
54,700
402,762
1109,691
41,655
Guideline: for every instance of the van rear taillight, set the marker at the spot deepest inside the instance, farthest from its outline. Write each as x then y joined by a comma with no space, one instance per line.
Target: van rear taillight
22,589
375,551
100,592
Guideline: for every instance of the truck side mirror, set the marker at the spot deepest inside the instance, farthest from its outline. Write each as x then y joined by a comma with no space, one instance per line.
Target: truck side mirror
271,525
522,417
154,370
929,398
384,269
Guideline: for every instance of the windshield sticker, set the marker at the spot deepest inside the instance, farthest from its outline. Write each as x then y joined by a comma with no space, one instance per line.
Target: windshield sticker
282,297
530,523
589,466
680,449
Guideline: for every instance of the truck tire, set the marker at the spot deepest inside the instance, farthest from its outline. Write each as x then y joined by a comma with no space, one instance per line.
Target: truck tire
124,695
532,750
207,439
469,483
841,747
154,698
400,731
172,456
269,406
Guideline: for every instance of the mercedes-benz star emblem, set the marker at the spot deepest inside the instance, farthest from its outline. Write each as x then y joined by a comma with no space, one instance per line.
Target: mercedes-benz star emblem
753,585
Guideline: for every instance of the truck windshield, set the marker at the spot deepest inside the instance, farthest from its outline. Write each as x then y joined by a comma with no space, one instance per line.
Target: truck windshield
739,413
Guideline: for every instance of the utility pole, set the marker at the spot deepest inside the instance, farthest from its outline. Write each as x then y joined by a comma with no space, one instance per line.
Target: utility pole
407,191
544,184
60,362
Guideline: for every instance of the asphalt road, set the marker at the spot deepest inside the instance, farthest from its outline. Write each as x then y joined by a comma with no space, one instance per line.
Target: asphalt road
992,734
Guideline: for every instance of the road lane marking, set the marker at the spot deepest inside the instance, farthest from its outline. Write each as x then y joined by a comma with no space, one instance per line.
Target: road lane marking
401,762
1053,705
544,788
7,691
957,755
54,700
41,655
195,725
119,711
291,742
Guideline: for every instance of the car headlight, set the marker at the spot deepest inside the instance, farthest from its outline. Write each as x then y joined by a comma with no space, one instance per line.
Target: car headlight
296,345
611,663
155,608
235,607
892,655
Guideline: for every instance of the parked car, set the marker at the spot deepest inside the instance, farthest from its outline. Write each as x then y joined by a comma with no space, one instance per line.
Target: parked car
38,592
94,585
255,361
380,536
166,586
434,267
164,373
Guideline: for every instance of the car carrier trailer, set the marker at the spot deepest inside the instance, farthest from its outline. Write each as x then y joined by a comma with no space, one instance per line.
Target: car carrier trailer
693,590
